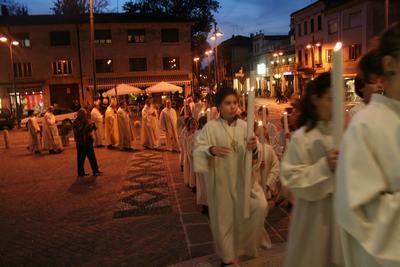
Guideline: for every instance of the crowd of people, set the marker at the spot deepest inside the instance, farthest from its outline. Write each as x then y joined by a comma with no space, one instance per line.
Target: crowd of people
346,200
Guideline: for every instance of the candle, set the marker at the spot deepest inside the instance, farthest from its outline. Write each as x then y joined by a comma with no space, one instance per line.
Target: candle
248,84
249,154
208,114
244,101
285,122
202,113
264,114
262,134
184,107
338,94
235,84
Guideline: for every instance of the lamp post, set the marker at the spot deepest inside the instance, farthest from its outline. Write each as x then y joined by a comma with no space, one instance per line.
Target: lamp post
312,47
215,35
10,45
91,18
196,61
208,53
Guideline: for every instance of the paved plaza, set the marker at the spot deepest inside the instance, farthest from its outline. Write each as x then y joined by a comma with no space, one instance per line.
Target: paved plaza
139,213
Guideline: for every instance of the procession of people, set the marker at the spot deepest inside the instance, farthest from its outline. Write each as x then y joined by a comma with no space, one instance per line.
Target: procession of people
346,200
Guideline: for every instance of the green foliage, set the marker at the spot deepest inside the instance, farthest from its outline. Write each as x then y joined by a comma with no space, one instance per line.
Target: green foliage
14,8
201,12
77,7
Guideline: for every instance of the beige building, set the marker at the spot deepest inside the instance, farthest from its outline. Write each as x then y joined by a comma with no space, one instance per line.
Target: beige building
52,63
320,25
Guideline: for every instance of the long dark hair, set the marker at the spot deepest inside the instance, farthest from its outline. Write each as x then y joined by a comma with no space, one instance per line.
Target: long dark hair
223,93
308,114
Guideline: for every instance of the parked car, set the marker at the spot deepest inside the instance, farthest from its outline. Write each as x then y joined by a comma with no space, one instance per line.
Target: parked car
7,119
63,117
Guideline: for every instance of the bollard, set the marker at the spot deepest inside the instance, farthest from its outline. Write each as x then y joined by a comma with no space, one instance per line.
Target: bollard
6,143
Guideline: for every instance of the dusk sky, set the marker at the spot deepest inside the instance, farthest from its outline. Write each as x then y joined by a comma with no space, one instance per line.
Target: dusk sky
235,16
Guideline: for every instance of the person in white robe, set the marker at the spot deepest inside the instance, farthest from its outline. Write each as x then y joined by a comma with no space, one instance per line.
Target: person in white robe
191,130
367,195
181,122
220,153
168,122
51,137
34,133
97,119
198,107
150,137
201,178
185,138
125,136
307,170
111,125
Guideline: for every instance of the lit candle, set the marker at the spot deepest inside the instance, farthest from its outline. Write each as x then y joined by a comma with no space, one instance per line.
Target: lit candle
249,154
264,115
262,134
202,113
235,84
208,114
248,84
338,94
184,107
285,122
244,101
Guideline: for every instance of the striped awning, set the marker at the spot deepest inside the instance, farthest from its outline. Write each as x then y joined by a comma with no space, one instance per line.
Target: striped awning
140,81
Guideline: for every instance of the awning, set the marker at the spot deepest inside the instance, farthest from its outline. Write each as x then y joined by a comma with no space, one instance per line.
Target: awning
140,81
23,87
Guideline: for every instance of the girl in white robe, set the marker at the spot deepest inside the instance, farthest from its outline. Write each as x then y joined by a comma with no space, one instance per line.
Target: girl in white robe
368,176
150,136
97,119
34,133
220,153
307,171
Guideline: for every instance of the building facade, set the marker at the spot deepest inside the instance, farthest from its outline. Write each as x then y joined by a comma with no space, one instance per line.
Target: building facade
53,61
320,25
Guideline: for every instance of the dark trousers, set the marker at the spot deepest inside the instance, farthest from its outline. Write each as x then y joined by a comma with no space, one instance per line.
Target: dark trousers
84,151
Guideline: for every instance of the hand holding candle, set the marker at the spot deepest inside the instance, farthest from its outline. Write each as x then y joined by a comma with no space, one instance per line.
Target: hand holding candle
208,114
249,156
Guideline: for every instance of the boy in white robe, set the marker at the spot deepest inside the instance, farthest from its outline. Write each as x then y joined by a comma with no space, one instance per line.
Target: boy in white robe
220,152
150,136
125,131
97,119
201,178
34,133
368,175
168,122
111,125
51,137
307,170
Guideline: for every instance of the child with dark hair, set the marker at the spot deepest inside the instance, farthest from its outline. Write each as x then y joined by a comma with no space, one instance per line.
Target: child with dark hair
367,198
220,153
369,81
307,170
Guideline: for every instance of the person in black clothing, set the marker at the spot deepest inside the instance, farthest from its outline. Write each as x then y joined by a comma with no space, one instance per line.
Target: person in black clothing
84,143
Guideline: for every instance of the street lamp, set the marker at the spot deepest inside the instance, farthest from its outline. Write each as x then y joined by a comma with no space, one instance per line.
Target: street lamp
10,45
215,35
196,61
208,54
312,47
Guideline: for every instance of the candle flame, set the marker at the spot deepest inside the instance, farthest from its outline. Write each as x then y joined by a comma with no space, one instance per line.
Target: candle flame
264,106
208,109
252,88
285,113
338,46
259,123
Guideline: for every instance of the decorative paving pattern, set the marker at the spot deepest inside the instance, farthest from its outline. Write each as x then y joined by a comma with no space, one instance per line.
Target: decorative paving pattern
146,188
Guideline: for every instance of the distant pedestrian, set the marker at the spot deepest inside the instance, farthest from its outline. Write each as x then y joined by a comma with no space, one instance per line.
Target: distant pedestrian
51,137
124,128
97,118
34,133
84,143
111,125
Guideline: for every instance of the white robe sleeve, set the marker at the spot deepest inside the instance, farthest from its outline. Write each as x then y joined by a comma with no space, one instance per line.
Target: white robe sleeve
273,173
367,204
201,152
307,180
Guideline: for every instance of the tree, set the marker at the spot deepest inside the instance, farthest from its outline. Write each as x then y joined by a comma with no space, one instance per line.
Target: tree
200,11
12,8
77,7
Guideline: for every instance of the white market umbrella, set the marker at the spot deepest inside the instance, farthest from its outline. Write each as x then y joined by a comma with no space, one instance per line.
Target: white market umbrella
163,87
124,89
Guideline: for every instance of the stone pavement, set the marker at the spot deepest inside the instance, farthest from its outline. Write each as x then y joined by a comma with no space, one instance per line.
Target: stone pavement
139,213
